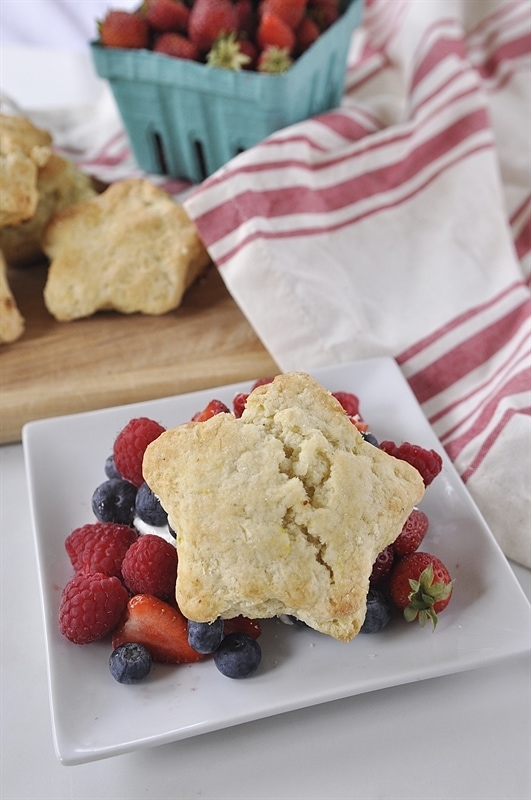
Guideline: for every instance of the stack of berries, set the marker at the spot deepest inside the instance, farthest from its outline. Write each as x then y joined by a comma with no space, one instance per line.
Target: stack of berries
123,586
260,35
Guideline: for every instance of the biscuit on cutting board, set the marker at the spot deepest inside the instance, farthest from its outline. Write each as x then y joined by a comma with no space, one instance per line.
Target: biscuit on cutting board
11,320
131,249
282,511
24,149
59,184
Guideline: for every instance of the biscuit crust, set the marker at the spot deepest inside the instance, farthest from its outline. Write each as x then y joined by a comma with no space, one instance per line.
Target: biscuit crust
131,249
58,184
24,149
12,322
282,511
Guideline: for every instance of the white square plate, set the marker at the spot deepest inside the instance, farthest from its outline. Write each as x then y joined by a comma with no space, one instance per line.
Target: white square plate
95,717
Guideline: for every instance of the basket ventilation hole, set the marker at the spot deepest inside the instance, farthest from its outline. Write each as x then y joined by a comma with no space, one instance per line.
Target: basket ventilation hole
160,154
200,154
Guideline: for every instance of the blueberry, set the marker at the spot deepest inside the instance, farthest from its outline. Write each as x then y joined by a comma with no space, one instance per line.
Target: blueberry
130,663
110,468
378,612
114,501
238,655
205,637
148,507
371,438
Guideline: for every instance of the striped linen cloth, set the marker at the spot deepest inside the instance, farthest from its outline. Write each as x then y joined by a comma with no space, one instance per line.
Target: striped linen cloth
399,225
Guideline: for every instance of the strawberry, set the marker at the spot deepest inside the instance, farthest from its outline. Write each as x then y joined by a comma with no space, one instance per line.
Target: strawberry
412,534
262,382
289,11
227,53
238,403
273,32
249,48
130,444
211,409
323,12
251,627
159,627
427,462
100,547
177,46
382,566
420,586
305,35
123,29
246,16
356,420
209,19
166,15
91,607
274,60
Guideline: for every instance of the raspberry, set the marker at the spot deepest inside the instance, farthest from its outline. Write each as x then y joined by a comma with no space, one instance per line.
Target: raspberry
427,462
382,565
99,547
412,534
349,402
150,567
91,607
130,445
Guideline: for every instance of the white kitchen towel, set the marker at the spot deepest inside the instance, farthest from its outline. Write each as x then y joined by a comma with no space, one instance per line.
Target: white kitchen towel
399,225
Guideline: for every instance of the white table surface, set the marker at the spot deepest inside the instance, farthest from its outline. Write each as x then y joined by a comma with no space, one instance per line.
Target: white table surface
461,736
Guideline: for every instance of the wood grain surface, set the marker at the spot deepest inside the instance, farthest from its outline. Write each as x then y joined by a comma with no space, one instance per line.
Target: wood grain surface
111,359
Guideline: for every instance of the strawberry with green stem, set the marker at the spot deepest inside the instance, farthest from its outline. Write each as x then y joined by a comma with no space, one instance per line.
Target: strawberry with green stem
274,60
227,52
209,19
274,32
420,586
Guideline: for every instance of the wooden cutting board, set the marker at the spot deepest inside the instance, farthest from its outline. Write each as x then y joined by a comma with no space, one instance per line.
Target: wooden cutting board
111,359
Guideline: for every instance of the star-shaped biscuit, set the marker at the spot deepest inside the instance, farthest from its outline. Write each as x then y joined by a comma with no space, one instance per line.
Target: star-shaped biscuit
131,249
282,511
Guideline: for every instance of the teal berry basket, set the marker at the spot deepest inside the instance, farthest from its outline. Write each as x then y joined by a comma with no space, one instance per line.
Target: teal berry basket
186,119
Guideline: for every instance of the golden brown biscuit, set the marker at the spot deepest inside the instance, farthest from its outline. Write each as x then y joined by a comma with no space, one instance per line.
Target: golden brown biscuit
11,320
24,149
132,249
59,185
282,511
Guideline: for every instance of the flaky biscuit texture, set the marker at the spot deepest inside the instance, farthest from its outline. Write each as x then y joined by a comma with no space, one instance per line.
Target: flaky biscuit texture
131,249
59,184
24,150
11,320
282,511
